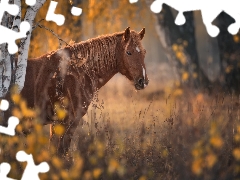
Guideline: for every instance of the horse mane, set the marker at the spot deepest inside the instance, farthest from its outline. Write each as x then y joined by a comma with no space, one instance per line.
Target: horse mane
98,53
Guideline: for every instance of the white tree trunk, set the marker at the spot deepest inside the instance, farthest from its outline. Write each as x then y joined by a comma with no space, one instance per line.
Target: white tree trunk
5,70
5,63
17,19
24,45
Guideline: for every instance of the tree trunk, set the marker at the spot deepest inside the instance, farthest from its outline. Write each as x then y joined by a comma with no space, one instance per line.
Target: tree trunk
180,46
229,47
24,45
7,69
10,73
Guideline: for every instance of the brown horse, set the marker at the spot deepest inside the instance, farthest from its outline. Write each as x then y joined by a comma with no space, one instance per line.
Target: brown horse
76,72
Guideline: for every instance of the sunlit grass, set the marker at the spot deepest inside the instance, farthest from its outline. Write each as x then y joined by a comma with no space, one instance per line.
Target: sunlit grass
149,134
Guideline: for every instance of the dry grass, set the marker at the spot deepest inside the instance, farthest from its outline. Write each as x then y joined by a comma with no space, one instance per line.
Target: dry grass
150,134
161,134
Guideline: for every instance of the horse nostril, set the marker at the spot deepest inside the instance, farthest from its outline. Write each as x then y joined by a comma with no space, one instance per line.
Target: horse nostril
140,82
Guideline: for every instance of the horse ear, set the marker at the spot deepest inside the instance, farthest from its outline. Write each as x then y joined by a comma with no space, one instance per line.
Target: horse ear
126,34
141,33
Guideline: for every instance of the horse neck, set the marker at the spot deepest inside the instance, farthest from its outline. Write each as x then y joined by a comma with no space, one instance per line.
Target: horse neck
101,70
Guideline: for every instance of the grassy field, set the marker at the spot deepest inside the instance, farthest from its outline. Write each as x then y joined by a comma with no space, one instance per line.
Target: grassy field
156,133
162,134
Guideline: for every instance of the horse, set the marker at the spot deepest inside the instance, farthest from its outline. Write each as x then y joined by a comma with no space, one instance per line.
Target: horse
76,72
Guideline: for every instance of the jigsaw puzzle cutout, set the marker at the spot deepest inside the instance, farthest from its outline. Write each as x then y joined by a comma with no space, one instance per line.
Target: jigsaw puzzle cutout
4,105
31,171
10,8
7,35
133,1
4,170
30,2
12,121
76,11
12,124
209,9
59,19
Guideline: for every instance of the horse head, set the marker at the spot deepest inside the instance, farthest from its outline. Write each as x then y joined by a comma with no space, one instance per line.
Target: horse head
133,54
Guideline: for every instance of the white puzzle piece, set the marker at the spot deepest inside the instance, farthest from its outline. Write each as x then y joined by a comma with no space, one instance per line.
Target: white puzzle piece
209,9
4,170
10,130
30,2
51,16
12,9
4,105
31,171
9,36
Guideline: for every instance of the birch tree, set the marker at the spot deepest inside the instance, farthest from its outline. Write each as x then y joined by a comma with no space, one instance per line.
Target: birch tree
12,71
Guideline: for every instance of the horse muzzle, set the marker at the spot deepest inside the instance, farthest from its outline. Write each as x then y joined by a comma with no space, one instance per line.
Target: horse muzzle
141,84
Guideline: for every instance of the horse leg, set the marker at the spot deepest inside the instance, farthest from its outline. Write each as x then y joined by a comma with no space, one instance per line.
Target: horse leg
62,143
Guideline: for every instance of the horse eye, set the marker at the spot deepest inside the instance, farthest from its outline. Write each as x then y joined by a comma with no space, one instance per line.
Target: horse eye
128,53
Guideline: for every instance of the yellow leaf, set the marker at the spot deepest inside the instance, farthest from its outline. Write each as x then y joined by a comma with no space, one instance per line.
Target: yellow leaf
195,75
197,152
174,47
197,166
236,38
16,98
143,178
200,97
61,114
57,162
178,92
237,137
38,128
16,112
59,129
185,76
236,153
113,165
238,128
64,174
31,139
45,155
216,141
165,153
96,173
43,140
179,54
211,159
228,69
